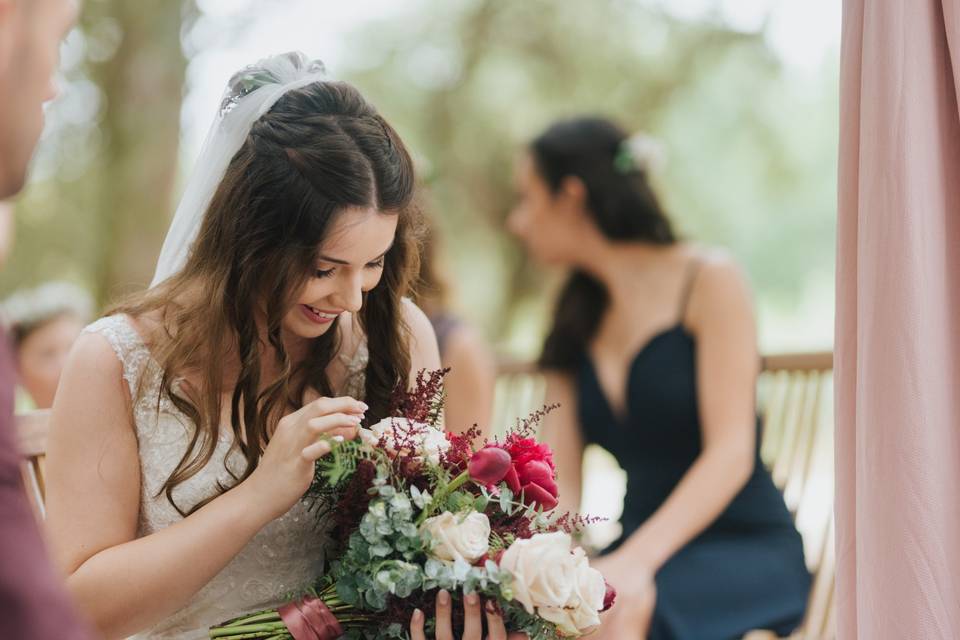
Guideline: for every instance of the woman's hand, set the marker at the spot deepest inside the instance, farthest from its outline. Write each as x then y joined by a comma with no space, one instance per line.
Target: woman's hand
629,619
472,623
287,467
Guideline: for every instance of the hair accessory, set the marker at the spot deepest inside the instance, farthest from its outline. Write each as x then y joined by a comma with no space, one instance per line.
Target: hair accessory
639,153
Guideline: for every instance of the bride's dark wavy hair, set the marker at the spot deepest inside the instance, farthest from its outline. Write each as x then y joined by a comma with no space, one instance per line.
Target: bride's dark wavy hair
622,204
320,149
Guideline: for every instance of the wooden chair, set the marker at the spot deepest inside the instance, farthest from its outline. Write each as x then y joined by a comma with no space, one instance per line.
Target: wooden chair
519,390
795,399
32,436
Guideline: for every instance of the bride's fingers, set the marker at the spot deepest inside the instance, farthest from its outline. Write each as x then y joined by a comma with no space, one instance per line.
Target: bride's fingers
326,406
332,421
323,443
472,624
495,628
317,450
345,423
444,611
416,626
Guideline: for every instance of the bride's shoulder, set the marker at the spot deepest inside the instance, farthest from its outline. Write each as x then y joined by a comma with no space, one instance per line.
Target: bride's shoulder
123,332
424,352
115,344
421,329
96,358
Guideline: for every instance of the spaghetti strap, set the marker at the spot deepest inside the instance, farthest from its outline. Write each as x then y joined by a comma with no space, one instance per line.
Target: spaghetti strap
689,279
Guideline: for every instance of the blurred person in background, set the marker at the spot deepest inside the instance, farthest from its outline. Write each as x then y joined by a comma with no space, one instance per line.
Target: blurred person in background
469,385
652,355
33,604
44,323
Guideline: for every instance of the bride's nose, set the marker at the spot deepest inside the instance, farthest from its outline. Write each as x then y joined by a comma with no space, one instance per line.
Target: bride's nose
349,293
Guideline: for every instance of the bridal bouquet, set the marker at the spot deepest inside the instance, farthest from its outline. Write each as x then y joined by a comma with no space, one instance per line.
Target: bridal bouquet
415,510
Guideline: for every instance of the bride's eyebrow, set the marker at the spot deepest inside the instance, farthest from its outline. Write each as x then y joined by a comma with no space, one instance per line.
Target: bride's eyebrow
323,258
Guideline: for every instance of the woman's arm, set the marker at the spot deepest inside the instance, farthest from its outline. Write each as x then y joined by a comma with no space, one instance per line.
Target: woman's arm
721,318
561,432
123,583
470,383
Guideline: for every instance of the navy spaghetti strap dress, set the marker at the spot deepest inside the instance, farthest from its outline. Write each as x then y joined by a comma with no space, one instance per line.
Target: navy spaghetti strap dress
746,570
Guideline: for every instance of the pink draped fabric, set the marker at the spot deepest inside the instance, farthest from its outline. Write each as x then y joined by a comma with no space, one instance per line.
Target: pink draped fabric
898,322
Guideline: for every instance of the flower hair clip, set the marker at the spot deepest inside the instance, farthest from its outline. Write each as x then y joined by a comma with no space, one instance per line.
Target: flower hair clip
640,153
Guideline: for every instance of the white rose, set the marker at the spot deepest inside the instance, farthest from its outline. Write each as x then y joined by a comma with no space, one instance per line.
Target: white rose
434,443
465,537
555,583
581,613
429,442
542,568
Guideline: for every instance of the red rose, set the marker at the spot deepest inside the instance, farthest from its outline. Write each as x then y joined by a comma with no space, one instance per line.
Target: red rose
532,473
523,450
536,482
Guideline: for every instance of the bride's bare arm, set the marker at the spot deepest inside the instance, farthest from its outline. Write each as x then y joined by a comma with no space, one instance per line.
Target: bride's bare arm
123,583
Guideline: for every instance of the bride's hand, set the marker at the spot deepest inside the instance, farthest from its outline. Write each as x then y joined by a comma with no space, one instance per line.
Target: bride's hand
472,625
286,469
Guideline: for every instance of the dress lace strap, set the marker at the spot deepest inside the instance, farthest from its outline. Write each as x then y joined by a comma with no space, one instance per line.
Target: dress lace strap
127,344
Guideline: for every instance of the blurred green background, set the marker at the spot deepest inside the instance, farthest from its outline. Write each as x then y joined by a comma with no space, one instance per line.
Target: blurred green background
742,93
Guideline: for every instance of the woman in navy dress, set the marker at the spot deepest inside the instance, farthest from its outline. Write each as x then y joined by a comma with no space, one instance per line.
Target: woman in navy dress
652,355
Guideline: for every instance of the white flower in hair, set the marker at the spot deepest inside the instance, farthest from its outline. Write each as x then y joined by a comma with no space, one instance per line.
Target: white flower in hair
640,152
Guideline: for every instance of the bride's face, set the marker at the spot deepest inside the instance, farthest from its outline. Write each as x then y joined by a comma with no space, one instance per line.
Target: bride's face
350,263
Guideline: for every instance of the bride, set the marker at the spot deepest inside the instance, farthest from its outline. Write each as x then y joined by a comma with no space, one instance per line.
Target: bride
187,422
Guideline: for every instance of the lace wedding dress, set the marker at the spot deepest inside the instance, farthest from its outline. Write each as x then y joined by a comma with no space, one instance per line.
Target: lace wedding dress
281,560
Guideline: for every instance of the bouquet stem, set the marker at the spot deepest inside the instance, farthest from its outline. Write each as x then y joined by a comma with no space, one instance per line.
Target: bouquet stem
441,495
315,617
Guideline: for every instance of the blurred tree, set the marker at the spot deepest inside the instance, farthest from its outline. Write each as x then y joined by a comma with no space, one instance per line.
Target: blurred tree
751,144
469,83
143,84
103,190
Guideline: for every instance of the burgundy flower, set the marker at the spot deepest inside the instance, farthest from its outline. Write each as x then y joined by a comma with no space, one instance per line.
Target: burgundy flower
489,465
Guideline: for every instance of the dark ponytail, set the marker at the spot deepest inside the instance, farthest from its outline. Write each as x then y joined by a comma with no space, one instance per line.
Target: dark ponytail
623,206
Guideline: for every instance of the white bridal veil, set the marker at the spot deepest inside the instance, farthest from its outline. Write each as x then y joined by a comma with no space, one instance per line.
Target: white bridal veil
251,92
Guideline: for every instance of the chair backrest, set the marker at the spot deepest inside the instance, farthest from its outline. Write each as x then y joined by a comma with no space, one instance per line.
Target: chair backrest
32,430
519,390
795,400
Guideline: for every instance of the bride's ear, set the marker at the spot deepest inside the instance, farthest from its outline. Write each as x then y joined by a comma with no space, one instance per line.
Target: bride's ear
572,194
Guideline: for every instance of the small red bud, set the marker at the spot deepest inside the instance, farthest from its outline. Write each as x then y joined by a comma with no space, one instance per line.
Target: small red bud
489,465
